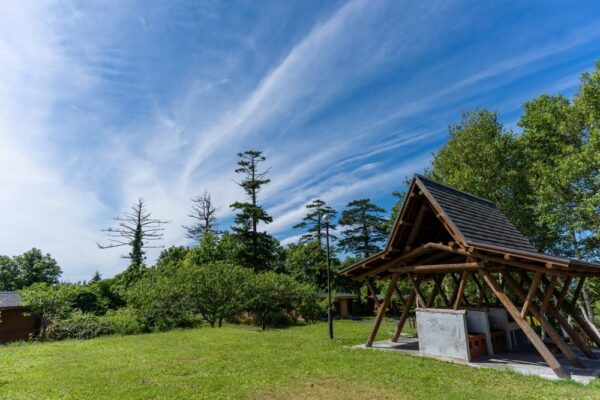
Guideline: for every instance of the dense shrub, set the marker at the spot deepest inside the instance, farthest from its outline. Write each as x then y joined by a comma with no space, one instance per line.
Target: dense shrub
80,326
161,301
218,290
123,321
276,298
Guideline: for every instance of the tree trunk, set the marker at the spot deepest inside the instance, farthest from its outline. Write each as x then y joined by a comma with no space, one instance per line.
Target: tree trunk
220,322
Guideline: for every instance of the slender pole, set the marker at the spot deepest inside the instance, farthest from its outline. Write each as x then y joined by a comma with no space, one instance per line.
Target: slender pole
329,307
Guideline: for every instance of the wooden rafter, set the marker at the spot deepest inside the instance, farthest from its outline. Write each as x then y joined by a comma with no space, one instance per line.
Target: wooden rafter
565,325
527,330
552,333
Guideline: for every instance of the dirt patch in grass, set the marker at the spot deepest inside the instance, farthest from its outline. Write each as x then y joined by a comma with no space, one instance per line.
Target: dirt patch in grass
333,389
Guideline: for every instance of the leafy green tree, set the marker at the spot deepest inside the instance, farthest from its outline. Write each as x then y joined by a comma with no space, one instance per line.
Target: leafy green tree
307,263
204,212
269,296
33,267
161,300
313,221
257,249
560,141
47,302
171,256
484,159
208,250
219,290
9,274
134,230
364,228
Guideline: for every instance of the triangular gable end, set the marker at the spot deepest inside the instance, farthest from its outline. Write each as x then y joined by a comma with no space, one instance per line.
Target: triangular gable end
421,220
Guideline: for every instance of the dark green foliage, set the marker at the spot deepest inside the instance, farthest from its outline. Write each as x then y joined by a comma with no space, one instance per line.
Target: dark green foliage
256,248
9,274
110,292
364,228
313,221
33,266
209,250
171,256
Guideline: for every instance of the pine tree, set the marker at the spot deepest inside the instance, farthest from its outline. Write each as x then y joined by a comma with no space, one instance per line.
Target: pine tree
313,221
365,228
257,249
204,211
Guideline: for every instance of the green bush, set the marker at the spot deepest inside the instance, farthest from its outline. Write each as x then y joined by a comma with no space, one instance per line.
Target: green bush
161,300
79,326
123,321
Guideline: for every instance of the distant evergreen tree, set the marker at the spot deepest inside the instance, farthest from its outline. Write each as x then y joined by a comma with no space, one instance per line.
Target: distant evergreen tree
313,221
96,278
365,229
204,212
257,249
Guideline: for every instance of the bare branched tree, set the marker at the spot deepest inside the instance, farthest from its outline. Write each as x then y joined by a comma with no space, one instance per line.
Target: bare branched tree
135,229
204,211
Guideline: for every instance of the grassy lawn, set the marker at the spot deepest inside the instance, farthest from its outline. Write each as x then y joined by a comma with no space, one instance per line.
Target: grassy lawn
240,362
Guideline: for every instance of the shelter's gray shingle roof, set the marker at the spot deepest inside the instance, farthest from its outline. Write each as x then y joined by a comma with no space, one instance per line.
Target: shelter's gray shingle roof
478,220
9,300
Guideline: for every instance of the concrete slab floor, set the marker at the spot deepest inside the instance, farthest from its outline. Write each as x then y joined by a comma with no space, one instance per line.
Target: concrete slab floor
525,360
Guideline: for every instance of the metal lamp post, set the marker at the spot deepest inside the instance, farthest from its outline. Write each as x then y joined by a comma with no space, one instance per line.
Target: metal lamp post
326,219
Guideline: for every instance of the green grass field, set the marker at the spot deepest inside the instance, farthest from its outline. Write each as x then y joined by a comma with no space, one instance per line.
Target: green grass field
240,362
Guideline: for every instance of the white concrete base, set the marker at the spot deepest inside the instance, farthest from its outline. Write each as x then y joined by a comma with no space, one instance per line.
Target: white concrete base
526,362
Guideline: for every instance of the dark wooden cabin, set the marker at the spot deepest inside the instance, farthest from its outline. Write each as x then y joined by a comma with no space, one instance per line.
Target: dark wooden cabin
444,237
13,324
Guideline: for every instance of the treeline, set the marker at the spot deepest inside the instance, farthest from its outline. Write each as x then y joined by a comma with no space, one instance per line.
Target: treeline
546,179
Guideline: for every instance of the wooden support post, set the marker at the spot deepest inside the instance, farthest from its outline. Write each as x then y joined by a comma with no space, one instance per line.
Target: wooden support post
549,292
405,313
554,335
530,295
420,298
382,310
461,289
527,330
400,297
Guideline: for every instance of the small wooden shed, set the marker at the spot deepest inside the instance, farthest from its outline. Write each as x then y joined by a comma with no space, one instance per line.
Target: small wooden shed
13,324
444,237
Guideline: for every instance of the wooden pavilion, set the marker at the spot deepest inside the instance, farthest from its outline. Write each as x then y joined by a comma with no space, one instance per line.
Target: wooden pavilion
444,238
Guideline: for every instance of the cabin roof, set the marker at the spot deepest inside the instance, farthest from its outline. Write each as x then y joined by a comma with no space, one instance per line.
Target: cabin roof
434,213
10,300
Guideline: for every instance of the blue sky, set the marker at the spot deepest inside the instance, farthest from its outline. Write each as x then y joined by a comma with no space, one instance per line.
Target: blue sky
105,102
